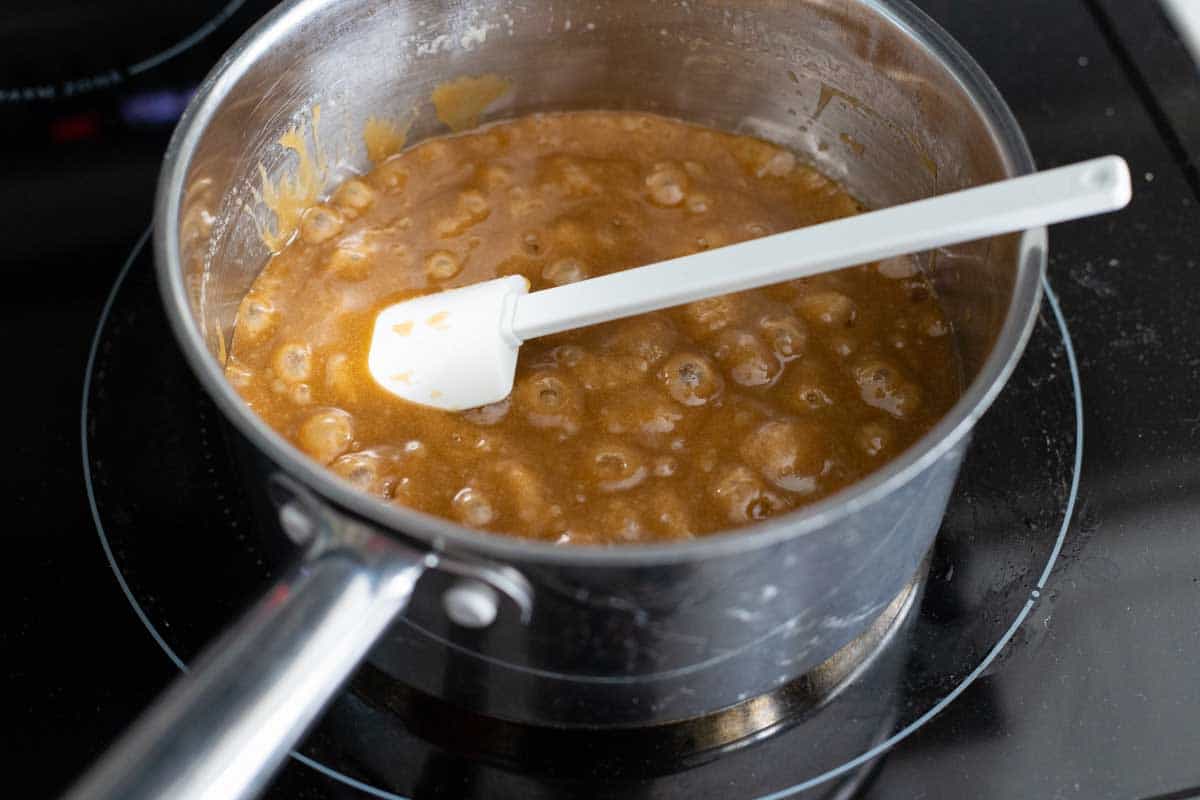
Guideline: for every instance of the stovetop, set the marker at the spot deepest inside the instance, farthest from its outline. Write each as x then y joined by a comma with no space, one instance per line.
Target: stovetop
1096,694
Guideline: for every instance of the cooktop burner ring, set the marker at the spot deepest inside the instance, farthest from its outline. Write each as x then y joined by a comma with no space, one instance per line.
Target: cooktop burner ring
105,77
848,767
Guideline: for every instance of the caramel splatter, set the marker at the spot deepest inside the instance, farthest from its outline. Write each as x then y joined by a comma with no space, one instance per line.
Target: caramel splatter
403,328
438,320
292,194
384,138
858,147
828,93
460,102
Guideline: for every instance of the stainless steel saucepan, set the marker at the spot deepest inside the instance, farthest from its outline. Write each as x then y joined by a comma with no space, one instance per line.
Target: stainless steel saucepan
870,91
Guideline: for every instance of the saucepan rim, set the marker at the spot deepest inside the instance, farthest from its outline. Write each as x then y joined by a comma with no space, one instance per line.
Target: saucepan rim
442,534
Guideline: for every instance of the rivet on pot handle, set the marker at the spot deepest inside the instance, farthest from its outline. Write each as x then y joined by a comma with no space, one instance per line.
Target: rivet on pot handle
471,604
222,730
506,580
299,513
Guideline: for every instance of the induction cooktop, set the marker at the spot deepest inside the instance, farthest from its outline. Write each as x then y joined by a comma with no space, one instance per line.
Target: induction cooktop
1053,649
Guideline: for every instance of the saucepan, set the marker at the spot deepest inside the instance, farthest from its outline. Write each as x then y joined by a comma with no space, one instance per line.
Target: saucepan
870,91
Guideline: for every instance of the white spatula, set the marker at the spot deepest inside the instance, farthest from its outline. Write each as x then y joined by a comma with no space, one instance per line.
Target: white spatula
458,349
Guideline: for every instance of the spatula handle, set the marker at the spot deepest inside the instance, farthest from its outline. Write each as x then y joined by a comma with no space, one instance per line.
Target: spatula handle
1043,198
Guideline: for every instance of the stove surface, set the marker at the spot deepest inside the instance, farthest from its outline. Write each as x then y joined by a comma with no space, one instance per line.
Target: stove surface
1094,695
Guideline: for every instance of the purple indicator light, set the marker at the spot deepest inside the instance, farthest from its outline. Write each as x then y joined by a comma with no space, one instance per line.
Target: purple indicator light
158,107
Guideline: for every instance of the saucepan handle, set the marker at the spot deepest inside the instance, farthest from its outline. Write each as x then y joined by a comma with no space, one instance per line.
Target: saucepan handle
221,730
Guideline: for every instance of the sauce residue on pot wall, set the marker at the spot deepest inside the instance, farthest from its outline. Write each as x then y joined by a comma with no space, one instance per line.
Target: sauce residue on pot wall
828,93
384,138
460,102
294,191
858,147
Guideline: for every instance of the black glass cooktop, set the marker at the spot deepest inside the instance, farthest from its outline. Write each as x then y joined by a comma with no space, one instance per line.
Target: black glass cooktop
1001,538
1053,652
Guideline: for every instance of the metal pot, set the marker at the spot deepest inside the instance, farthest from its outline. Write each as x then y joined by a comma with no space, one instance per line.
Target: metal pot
871,91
